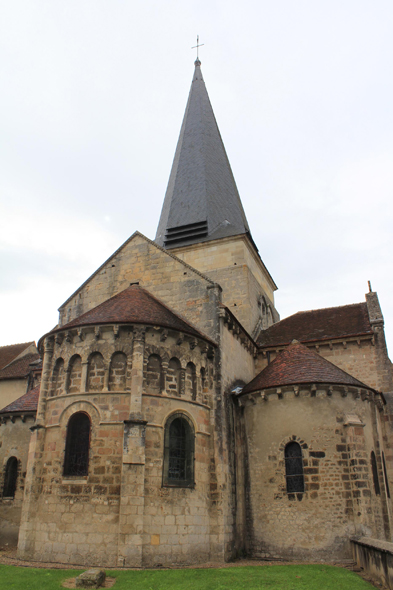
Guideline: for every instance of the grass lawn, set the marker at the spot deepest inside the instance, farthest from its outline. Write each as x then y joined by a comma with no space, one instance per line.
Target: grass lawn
276,577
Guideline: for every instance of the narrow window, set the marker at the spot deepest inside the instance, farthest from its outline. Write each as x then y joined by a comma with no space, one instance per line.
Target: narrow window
76,461
179,452
375,473
10,477
294,468
385,475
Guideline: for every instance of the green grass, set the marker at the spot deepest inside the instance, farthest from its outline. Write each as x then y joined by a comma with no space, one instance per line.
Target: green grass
276,577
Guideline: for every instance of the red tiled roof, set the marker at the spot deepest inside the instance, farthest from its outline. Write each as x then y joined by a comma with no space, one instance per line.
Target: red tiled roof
19,368
318,324
26,403
134,305
298,364
10,352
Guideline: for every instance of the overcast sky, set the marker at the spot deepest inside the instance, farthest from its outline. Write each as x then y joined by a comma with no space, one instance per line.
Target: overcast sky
92,99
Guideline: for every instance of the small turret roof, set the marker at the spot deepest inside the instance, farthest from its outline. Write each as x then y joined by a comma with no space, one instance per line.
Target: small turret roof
202,201
297,364
134,305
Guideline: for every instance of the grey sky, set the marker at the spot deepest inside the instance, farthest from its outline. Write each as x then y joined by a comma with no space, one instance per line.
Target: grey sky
92,101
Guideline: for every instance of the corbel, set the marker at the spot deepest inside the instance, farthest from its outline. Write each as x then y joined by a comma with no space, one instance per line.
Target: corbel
373,341
180,340
331,345
296,390
80,334
58,339
344,344
264,396
313,390
317,347
330,391
116,331
68,337
97,332
364,395
359,342
164,335
279,392
193,343
210,352
344,392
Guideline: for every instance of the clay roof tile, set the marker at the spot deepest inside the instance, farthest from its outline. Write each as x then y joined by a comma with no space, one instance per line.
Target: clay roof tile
297,364
318,324
134,305
26,403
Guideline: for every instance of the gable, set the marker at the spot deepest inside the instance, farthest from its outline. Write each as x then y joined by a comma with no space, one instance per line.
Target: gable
139,260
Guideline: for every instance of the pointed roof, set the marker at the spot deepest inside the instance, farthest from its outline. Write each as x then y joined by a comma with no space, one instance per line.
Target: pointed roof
202,201
298,364
134,305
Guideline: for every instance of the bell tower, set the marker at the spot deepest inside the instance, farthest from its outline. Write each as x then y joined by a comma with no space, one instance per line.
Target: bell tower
203,221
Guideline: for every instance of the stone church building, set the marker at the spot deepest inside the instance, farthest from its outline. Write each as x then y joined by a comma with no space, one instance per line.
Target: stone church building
178,420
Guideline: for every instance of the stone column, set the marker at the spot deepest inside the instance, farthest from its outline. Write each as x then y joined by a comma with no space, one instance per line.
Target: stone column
46,379
164,370
133,468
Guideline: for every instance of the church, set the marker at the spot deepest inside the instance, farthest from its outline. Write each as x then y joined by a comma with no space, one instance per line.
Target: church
177,420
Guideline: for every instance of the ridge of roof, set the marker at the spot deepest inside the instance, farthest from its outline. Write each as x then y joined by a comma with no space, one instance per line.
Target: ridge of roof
134,305
19,368
202,202
9,352
140,235
26,403
297,364
318,324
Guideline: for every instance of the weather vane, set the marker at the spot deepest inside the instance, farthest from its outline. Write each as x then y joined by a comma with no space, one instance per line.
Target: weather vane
197,47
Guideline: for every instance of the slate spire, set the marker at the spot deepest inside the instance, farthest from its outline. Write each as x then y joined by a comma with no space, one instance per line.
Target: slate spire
202,201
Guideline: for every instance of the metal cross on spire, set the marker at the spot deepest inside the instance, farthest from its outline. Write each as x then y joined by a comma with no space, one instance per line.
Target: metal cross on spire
197,47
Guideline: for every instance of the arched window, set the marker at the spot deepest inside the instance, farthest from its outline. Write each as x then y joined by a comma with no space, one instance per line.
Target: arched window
190,380
10,477
76,460
153,381
294,468
95,373
385,475
375,473
173,376
179,452
117,372
75,375
58,378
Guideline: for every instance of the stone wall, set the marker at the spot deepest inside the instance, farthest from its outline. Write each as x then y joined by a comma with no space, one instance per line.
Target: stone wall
10,390
119,512
15,438
336,431
183,289
357,356
234,264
